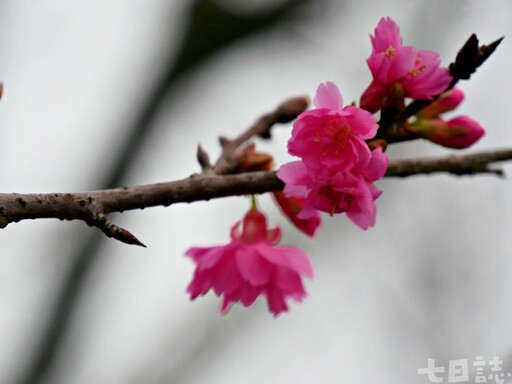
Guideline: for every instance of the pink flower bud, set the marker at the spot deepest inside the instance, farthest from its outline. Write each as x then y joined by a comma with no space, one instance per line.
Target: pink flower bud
448,101
459,132
291,207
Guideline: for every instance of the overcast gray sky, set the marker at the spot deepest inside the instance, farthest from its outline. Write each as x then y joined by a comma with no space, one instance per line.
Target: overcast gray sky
431,280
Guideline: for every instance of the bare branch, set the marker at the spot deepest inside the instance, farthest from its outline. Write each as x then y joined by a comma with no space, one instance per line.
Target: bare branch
471,164
92,207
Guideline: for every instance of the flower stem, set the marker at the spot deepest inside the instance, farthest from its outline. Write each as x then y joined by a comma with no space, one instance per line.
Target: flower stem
254,202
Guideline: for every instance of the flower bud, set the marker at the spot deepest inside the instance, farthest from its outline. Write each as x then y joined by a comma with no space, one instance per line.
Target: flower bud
291,207
459,132
448,101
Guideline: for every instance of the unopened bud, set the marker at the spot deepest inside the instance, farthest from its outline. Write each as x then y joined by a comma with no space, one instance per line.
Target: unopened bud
459,132
373,97
291,207
448,101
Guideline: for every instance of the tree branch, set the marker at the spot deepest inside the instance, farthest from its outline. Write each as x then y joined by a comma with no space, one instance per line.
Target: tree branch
471,164
227,178
92,207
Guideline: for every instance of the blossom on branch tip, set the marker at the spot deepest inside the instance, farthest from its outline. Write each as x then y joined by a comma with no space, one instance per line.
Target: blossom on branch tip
331,135
419,72
249,266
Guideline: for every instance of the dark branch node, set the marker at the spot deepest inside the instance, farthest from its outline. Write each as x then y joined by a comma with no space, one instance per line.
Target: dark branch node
470,57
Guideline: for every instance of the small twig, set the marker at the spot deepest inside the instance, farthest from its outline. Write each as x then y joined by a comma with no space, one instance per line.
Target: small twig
111,230
468,59
284,113
91,207
203,158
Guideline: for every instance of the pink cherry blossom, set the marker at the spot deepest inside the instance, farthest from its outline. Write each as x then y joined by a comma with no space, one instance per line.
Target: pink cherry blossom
332,135
291,207
352,192
249,266
419,72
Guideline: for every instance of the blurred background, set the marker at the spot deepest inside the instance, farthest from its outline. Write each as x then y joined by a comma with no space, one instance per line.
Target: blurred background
102,94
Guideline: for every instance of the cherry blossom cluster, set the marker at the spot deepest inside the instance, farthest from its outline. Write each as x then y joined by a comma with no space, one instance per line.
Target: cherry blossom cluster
337,168
340,158
418,72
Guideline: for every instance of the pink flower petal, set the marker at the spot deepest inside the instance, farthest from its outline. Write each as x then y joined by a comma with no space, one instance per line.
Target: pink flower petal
296,178
309,210
297,260
376,168
252,267
400,66
205,257
363,212
362,219
387,34
289,282
276,303
362,122
225,306
200,284
328,96
249,294
375,192
225,276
